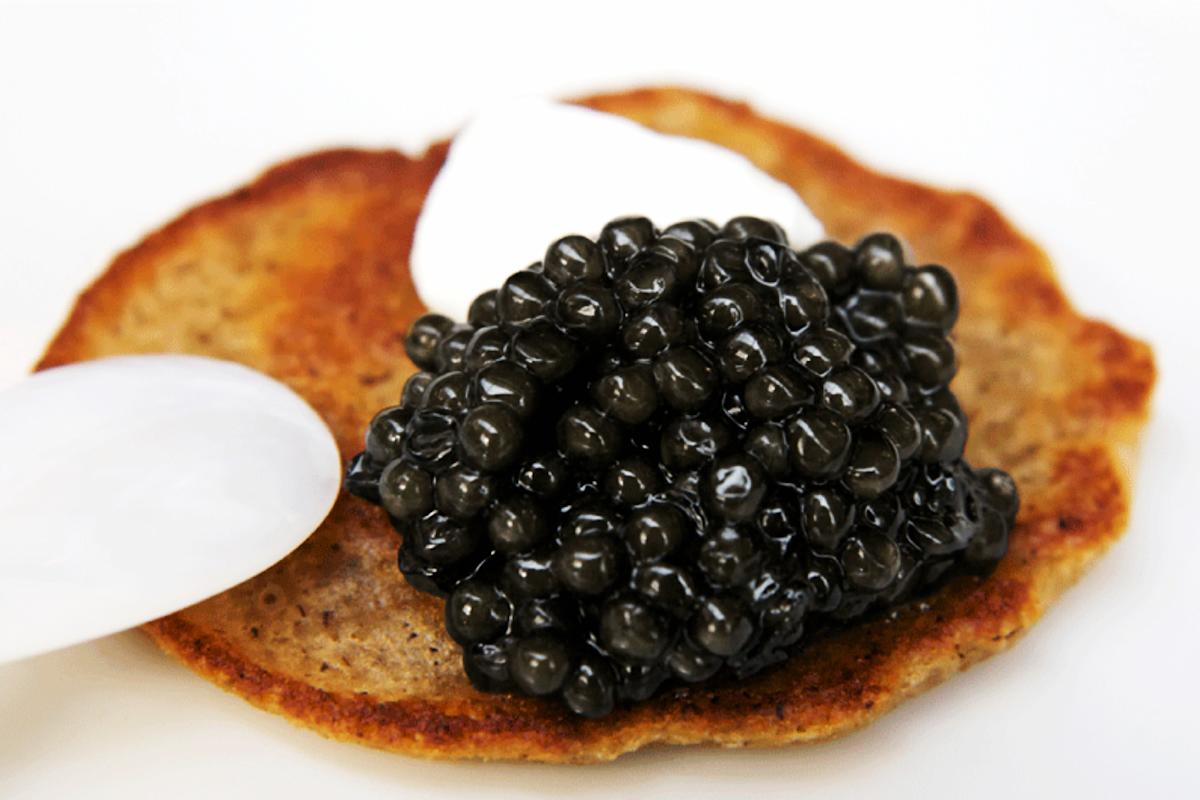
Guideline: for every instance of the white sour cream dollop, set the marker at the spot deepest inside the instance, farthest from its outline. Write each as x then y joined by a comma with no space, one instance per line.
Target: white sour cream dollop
524,174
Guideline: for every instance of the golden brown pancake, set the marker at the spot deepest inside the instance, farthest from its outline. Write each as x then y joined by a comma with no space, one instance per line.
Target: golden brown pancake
303,274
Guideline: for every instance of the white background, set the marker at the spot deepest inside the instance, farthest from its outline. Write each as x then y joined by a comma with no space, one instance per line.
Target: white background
1078,119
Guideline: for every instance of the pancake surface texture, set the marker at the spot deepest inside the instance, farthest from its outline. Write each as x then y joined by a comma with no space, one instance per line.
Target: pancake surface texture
303,274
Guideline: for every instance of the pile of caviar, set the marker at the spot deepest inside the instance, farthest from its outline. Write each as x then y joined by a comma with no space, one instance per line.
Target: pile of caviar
665,454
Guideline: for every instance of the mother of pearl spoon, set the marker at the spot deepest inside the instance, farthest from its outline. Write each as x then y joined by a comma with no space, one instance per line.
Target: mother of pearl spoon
132,487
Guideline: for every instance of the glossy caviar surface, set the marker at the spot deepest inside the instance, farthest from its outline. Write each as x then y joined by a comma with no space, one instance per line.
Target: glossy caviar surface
664,455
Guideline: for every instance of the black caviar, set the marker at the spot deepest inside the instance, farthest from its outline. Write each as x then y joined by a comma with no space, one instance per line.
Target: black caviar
664,455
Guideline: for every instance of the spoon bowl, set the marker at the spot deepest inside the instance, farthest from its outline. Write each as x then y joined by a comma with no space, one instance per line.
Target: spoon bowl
134,486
